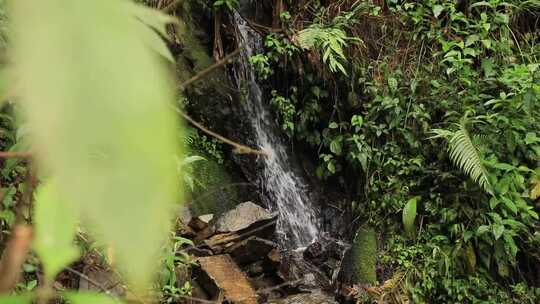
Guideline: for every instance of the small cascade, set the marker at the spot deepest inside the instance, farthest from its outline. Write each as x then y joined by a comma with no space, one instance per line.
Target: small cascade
286,191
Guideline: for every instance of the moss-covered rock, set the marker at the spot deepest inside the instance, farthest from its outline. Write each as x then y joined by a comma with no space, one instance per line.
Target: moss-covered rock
213,193
359,264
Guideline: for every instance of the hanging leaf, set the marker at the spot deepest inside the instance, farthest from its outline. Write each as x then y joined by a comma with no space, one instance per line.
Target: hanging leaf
55,228
97,102
409,216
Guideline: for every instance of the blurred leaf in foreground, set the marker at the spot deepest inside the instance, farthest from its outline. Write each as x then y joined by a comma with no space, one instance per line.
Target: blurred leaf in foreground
56,225
96,98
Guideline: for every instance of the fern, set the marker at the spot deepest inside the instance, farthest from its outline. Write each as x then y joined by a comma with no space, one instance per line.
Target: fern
465,154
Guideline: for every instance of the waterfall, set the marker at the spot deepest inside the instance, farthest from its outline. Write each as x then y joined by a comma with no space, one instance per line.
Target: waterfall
286,192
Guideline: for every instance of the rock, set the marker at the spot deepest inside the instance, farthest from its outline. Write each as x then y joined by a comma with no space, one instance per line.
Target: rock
219,242
315,297
245,215
185,215
221,278
293,267
199,251
255,269
185,231
204,234
106,278
250,250
360,261
274,256
201,222
327,254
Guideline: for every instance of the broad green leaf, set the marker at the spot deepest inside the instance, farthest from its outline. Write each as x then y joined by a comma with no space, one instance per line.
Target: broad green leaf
437,10
409,216
497,230
89,298
97,102
55,228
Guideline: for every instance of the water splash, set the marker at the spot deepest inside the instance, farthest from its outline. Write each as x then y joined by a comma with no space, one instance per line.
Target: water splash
286,192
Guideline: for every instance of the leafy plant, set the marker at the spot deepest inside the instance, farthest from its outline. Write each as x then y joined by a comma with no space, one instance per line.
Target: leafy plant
465,154
409,216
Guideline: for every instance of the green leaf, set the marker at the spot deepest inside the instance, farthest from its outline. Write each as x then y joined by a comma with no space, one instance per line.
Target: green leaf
437,10
16,299
392,83
97,100
497,231
90,298
466,156
509,204
409,216
55,228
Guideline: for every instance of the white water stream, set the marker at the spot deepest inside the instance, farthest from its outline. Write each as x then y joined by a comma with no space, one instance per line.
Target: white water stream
286,192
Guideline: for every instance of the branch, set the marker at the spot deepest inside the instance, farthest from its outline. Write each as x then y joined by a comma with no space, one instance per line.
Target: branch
9,154
171,7
203,73
13,257
238,148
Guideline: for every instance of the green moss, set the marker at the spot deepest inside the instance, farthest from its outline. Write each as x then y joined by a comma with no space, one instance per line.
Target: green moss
364,255
213,192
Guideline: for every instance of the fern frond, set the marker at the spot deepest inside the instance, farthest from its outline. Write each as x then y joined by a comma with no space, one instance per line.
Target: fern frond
465,155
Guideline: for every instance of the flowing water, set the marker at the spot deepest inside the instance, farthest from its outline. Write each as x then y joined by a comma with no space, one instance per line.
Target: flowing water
286,191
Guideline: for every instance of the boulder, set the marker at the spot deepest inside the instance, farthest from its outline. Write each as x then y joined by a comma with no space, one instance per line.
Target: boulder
244,216
221,278
250,250
201,222
293,267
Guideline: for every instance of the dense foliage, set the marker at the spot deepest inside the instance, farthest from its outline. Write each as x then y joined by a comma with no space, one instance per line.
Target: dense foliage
436,101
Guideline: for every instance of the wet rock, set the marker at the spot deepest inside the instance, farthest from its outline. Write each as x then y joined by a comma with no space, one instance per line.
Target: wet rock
244,216
199,251
255,269
201,222
185,231
204,234
219,242
294,268
274,256
250,250
106,278
327,254
315,297
221,278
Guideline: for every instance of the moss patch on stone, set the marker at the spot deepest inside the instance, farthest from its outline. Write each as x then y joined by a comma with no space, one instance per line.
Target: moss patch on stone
365,256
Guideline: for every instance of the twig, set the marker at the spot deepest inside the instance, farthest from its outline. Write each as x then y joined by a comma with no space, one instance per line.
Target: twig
88,279
171,7
14,256
206,71
9,154
238,148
